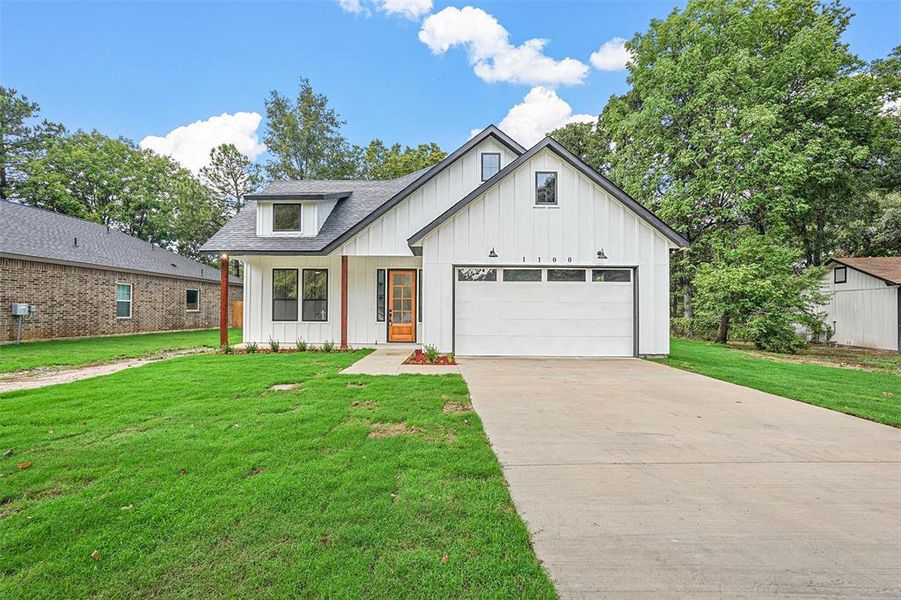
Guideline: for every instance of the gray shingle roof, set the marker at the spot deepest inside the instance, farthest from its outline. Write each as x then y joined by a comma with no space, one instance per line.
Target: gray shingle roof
366,202
239,234
30,232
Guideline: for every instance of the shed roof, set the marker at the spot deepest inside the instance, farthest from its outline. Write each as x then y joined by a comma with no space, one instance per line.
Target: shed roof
35,234
886,268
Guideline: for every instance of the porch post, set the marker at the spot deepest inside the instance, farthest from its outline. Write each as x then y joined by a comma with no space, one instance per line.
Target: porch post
344,301
223,300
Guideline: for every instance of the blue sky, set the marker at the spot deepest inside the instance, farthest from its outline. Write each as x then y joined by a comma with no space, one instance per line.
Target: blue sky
138,69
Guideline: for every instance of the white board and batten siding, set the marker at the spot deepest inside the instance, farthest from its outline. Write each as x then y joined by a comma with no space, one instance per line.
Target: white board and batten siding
586,219
387,235
362,326
863,311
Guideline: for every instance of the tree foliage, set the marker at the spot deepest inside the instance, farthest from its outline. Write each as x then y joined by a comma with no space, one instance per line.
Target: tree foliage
752,115
22,138
384,162
304,138
231,175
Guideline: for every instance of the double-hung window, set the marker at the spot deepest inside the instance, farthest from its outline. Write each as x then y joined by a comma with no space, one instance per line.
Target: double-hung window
284,294
315,294
123,300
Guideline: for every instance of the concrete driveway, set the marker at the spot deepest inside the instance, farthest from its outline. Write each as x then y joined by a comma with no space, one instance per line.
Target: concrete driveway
638,480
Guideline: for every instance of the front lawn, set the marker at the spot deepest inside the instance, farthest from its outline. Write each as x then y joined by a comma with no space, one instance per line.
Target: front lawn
872,395
89,351
190,478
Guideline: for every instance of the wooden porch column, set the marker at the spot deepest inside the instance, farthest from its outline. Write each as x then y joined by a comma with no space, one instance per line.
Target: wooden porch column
223,300
344,301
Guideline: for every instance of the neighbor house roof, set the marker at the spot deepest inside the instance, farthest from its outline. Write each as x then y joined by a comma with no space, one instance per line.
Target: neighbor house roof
554,146
35,234
886,268
359,203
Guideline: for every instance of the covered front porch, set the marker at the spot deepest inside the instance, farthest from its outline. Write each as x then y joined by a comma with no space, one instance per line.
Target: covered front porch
347,300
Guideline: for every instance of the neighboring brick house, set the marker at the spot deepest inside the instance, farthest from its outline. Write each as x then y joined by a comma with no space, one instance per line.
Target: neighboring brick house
86,279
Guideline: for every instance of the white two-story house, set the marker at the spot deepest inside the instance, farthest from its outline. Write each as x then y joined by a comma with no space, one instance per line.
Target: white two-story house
496,250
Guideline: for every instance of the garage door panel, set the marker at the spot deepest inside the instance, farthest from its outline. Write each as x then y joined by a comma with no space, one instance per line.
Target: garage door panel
543,346
546,318
543,310
539,327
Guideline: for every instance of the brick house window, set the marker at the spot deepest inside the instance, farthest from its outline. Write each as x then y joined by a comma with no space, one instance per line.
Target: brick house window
123,300
192,300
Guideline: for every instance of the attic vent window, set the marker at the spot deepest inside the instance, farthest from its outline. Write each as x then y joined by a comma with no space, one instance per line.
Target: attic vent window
491,164
840,274
286,217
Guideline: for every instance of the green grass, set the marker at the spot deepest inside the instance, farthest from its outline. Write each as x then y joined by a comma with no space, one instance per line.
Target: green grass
871,395
88,351
192,480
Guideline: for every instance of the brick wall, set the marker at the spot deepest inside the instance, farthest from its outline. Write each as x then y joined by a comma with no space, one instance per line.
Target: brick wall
78,301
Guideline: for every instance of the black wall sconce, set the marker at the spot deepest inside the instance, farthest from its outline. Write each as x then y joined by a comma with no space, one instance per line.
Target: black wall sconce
492,254
601,254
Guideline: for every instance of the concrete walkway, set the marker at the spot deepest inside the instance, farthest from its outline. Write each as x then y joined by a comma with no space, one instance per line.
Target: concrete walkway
11,382
388,360
641,481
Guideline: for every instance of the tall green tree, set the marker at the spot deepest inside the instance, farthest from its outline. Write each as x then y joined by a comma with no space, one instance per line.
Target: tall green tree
389,162
22,137
304,137
231,175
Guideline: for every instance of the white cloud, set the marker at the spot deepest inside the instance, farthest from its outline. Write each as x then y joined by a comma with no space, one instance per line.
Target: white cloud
540,112
190,145
611,56
490,52
409,9
352,6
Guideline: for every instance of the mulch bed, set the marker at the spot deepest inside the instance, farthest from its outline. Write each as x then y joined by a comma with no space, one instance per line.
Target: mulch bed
419,358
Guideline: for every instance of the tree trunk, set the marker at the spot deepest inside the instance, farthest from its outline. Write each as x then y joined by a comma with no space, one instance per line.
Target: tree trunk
722,335
688,293
3,184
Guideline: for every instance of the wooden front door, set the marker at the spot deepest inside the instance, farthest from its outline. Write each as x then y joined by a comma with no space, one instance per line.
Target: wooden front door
402,306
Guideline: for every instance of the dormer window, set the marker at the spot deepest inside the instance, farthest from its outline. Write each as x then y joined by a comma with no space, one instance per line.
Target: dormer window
286,217
546,188
491,164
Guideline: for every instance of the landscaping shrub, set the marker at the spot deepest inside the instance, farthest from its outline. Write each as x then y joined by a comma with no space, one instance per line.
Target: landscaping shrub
328,346
227,349
274,345
431,353
301,345
251,347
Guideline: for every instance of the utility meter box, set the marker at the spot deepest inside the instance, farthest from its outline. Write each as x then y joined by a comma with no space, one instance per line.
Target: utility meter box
20,309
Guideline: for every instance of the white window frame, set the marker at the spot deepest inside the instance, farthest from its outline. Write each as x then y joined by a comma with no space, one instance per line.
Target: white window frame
198,300
288,232
131,297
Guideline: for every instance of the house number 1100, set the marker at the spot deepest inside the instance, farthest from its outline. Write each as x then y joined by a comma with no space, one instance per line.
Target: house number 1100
569,259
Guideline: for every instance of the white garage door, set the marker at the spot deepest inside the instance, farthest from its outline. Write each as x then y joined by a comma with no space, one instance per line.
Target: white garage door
543,312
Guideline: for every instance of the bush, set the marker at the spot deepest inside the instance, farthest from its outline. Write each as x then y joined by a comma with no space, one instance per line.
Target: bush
328,346
301,345
227,349
431,353
274,345
774,332
701,327
251,348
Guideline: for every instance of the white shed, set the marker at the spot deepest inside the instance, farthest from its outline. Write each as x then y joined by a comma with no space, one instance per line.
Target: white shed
864,306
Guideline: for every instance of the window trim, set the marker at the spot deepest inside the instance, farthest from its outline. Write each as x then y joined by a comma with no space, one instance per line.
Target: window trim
419,295
131,291
300,292
274,299
299,217
198,300
556,201
844,271
482,156
381,280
